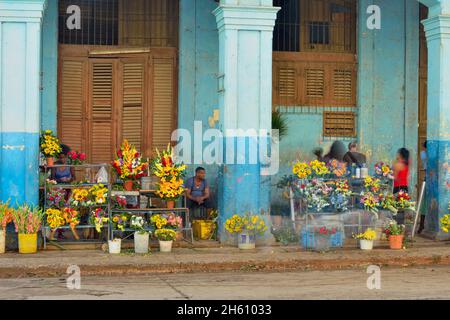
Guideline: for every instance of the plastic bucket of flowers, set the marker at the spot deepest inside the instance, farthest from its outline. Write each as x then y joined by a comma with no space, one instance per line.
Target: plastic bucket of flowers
28,222
165,238
366,239
247,227
141,236
115,246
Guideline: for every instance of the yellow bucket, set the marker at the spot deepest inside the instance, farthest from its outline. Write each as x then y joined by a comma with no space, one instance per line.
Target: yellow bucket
27,243
203,229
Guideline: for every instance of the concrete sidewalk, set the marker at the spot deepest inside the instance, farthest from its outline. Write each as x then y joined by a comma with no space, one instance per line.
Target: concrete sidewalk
188,260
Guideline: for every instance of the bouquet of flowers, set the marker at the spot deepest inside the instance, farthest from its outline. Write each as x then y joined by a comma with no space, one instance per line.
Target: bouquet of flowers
370,201
138,223
372,185
98,219
445,222
158,221
27,220
369,235
246,223
302,170
339,169
317,194
404,201
319,168
394,229
56,198
98,194
170,174
55,218
128,163
5,215
325,231
76,158
388,202
119,221
168,221
340,195
165,234
120,202
71,216
80,198
384,170
50,145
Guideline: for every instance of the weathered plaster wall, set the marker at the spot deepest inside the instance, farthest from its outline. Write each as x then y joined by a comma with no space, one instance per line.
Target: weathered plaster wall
198,71
49,78
387,92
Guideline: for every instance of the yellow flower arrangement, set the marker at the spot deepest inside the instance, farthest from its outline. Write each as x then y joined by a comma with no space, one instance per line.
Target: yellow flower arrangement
369,234
319,168
247,222
99,193
158,221
445,222
80,197
372,184
165,234
170,186
55,218
302,170
50,145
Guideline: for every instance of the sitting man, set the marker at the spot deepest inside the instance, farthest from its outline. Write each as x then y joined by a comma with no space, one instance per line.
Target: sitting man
197,194
353,156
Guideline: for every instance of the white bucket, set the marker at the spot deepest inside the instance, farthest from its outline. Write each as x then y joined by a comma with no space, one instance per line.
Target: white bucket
165,246
2,241
115,246
141,243
366,244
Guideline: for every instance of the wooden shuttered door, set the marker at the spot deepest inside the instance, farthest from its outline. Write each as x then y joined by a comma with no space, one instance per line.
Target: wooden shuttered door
163,101
105,100
72,97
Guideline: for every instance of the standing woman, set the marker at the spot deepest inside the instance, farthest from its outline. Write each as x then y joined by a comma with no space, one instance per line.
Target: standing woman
401,171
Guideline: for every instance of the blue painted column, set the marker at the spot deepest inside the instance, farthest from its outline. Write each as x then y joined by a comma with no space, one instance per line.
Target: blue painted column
245,102
437,28
20,57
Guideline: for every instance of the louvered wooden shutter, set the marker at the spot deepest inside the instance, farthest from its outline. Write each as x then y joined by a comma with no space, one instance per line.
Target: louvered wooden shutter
71,113
102,140
133,75
315,81
163,105
287,85
343,84
339,124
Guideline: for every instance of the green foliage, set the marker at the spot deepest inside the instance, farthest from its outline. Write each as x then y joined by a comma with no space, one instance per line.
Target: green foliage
279,123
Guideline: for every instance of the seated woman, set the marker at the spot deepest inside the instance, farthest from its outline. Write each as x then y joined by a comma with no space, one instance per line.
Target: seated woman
63,174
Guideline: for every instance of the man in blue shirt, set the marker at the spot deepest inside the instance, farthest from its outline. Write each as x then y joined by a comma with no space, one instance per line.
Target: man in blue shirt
198,194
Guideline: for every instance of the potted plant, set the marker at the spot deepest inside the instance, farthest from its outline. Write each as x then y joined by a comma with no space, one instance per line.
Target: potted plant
141,236
50,146
5,219
366,239
170,174
114,246
129,165
395,233
28,222
165,237
247,227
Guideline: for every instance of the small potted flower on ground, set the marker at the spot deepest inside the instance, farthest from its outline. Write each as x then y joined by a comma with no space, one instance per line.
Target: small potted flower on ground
246,227
395,233
5,219
141,236
165,238
366,239
28,222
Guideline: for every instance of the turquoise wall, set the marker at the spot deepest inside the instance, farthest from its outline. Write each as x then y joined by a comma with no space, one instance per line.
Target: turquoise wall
198,70
387,94
49,95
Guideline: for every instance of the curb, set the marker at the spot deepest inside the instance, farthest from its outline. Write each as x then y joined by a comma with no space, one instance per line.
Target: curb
242,266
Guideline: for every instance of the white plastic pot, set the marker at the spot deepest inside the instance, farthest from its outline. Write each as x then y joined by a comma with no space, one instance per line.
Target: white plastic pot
141,243
165,246
115,246
2,241
366,244
246,241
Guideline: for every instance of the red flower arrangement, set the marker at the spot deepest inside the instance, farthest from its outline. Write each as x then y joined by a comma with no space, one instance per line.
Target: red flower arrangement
76,158
327,231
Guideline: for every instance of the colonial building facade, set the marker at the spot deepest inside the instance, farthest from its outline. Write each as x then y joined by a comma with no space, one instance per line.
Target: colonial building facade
99,71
